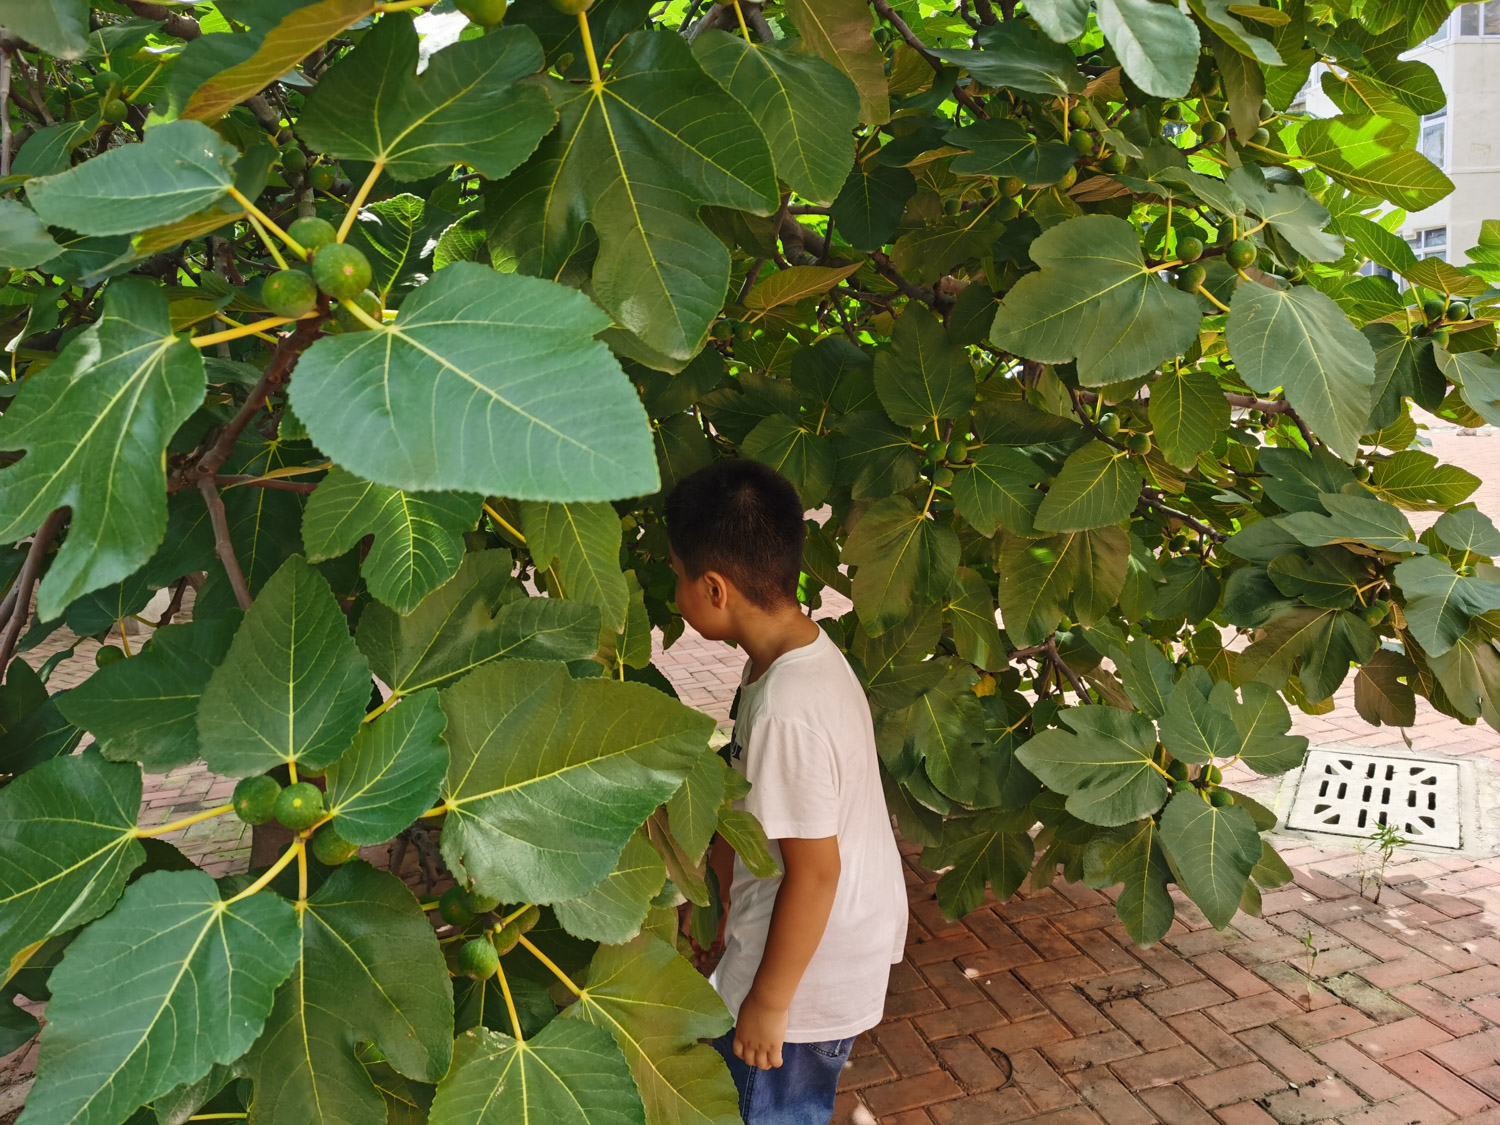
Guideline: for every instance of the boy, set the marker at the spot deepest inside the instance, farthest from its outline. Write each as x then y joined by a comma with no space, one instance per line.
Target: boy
807,953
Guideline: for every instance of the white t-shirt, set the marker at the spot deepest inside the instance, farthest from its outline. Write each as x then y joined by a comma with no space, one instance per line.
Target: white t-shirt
804,739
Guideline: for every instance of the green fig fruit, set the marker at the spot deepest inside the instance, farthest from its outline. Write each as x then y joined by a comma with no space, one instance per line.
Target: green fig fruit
294,160
479,903
1109,424
289,293
341,271
312,232
453,907
1189,248
299,806
1079,117
1139,444
254,799
478,959
331,849
115,111
528,918
1190,276
486,13
1240,253
107,655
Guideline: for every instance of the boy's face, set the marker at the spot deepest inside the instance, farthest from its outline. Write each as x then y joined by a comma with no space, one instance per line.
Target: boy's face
703,601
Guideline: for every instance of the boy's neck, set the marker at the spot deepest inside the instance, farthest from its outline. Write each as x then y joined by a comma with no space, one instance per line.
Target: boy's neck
765,635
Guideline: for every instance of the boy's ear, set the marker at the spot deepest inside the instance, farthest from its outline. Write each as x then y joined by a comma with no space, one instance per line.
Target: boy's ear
716,588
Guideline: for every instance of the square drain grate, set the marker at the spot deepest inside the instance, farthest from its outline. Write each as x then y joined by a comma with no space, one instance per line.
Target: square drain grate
1352,794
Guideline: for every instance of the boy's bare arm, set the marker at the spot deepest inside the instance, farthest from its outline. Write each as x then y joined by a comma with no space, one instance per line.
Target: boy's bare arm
803,904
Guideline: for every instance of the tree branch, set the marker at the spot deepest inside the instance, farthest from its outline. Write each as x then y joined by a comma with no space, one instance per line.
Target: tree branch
223,545
281,363
1154,498
26,582
1272,406
5,62
1063,667
887,13
886,269
178,589
175,24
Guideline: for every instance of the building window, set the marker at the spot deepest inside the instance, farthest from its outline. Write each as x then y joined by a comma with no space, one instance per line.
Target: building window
1430,243
1434,142
1374,269
1479,19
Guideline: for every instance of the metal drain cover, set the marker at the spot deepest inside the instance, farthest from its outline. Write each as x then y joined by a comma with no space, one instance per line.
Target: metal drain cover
1351,794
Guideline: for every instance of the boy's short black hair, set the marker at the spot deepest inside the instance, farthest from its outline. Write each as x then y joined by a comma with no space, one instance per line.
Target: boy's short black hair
743,519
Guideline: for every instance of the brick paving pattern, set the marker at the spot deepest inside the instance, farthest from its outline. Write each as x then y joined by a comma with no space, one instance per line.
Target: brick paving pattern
1040,1010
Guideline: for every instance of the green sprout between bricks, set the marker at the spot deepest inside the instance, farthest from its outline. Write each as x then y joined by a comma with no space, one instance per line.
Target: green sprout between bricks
1103,366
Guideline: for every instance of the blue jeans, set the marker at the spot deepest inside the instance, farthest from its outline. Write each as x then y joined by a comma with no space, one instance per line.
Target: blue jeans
798,1092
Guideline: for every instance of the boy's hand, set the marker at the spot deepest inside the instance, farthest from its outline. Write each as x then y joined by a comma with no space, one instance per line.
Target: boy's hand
759,1032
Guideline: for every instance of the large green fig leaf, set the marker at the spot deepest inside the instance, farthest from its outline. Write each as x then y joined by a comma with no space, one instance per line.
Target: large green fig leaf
527,739
391,773
581,544
1196,727
1188,413
1354,519
172,982
1156,43
805,106
1002,147
993,848
995,490
839,31
485,381
95,426
465,107
1094,300
1105,768
1371,155
614,911
146,709
904,559
1291,211
58,27
24,241
293,687
418,535
1263,723
67,844
477,616
1131,855
657,1007
693,811
1440,602
1014,55
637,156
1214,851
180,168
923,376
369,971
1098,485
1300,341
571,1073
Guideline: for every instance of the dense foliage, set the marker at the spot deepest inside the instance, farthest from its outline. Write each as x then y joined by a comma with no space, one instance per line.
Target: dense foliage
389,320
